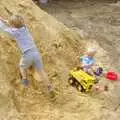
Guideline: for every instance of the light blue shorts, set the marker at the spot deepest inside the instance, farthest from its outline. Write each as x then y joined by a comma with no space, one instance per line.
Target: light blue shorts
31,58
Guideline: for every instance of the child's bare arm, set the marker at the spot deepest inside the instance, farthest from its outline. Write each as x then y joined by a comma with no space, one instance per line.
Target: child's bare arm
4,20
86,65
4,26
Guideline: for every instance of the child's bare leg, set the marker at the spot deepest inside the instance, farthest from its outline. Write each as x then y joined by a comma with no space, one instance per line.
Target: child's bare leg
46,83
23,73
90,71
23,65
24,80
85,69
98,88
43,77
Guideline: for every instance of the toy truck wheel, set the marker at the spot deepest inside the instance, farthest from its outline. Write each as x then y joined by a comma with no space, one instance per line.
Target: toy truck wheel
76,83
71,81
79,88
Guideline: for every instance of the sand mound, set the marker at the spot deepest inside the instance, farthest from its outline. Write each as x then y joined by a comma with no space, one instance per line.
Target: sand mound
59,47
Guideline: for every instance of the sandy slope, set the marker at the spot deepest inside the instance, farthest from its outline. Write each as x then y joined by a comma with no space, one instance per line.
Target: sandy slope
59,47
95,20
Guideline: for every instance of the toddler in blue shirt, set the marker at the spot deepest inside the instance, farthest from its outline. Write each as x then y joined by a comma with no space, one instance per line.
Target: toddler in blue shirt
87,60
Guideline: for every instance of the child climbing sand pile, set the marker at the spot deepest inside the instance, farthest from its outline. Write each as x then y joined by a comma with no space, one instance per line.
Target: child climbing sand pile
30,55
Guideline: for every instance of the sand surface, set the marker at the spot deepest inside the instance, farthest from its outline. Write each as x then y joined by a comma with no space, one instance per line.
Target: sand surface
91,24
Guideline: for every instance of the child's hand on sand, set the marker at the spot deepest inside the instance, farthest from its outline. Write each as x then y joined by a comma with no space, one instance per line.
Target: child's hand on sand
100,88
2,19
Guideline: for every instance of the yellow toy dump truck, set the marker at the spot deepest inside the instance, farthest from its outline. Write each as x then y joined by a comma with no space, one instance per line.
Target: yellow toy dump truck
81,80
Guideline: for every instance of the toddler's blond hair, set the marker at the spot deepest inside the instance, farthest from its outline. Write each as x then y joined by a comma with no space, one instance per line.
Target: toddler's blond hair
16,21
91,50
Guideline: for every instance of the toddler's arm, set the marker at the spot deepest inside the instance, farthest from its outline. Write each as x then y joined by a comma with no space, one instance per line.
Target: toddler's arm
87,65
4,26
4,20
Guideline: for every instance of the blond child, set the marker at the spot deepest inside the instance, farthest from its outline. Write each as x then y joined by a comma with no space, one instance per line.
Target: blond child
30,55
87,61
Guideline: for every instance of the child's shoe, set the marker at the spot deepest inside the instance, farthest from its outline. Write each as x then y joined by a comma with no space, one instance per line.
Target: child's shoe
25,82
52,93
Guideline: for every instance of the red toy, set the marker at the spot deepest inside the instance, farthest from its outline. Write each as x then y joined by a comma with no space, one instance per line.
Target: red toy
111,76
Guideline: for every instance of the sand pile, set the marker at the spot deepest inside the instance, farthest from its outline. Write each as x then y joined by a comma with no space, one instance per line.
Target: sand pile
59,47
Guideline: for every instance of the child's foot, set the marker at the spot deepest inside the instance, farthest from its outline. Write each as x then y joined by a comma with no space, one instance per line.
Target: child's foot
101,88
25,82
52,93
50,88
